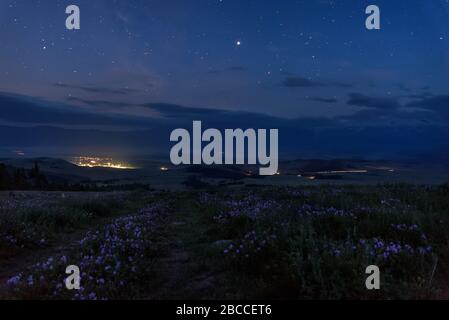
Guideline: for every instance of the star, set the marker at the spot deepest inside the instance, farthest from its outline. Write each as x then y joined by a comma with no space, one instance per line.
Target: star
238,43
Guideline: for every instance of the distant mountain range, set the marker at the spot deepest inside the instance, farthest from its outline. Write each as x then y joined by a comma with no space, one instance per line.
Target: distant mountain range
154,171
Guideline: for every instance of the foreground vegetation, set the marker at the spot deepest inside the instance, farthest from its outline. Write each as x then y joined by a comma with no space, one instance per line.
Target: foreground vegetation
280,243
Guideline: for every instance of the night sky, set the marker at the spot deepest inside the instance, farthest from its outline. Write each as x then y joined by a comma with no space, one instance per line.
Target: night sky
138,69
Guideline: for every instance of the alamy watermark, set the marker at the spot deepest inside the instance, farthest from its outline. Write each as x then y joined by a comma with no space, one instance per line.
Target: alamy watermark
260,148
73,21
373,280
373,20
73,281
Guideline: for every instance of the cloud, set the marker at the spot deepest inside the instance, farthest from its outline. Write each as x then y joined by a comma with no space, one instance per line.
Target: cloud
385,103
392,117
420,96
28,110
301,82
230,69
95,89
438,104
178,114
165,109
100,103
32,123
427,108
325,100
403,87
21,110
176,111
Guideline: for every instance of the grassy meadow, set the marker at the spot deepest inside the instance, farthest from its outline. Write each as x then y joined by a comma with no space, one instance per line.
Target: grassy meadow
305,242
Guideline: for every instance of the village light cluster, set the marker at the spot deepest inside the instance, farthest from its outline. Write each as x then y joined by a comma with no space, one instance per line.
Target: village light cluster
93,162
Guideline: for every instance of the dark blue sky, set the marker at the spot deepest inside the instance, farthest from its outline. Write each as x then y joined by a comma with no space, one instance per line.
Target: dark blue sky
304,66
